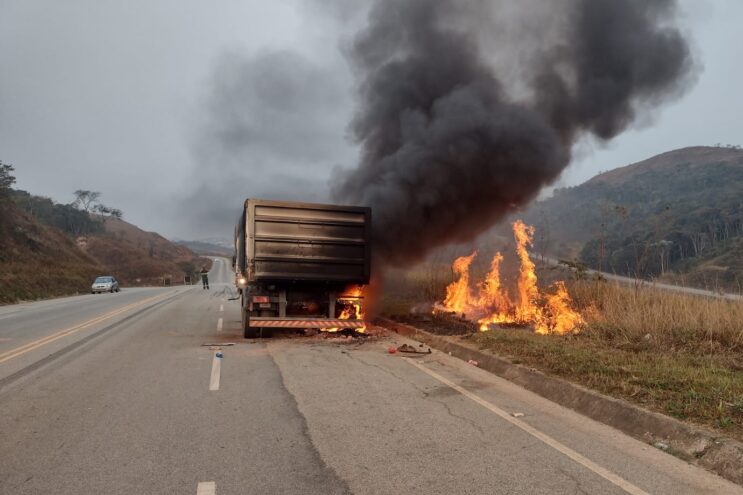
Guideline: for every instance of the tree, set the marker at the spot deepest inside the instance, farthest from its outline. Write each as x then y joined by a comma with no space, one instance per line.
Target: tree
89,202
86,200
6,178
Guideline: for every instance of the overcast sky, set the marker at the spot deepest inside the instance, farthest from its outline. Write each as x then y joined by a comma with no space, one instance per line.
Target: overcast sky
177,110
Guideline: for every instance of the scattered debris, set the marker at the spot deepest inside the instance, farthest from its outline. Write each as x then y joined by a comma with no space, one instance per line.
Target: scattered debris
473,362
517,415
220,355
412,350
218,344
392,350
661,446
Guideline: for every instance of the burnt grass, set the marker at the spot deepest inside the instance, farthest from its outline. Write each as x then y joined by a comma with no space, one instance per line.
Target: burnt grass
439,324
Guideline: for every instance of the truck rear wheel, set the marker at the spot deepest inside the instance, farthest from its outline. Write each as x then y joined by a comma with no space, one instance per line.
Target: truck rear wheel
266,332
248,332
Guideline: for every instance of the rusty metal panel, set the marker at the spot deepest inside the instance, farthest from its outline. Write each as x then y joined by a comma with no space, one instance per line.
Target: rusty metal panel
307,242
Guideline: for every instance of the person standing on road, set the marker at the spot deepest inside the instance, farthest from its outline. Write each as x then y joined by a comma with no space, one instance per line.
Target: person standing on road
204,277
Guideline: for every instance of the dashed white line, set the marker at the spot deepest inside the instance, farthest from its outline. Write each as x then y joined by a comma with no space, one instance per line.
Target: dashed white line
219,325
216,371
567,451
221,308
206,488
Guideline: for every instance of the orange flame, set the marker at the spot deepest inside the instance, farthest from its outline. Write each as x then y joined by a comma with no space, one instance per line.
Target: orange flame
458,293
351,298
493,304
527,309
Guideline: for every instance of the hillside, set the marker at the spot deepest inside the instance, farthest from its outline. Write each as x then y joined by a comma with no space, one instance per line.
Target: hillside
49,249
139,257
678,215
37,261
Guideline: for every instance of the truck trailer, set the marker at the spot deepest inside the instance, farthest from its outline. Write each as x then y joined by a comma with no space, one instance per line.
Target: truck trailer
301,266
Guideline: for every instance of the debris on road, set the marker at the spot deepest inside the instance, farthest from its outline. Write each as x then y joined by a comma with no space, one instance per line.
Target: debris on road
392,350
220,355
517,415
218,344
409,349
473,362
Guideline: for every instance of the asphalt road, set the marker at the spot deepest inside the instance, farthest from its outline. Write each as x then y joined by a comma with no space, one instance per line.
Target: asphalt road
117,394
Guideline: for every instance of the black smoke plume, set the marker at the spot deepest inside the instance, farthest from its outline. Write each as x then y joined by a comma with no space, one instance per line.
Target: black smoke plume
447,150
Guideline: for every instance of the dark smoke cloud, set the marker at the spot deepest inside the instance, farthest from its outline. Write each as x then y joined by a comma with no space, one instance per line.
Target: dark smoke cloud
447,150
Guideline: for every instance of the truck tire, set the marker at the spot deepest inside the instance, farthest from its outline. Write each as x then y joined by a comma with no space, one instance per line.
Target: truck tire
266,332
248,331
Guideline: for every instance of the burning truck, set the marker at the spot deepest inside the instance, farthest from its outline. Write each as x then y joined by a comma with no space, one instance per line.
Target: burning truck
301,266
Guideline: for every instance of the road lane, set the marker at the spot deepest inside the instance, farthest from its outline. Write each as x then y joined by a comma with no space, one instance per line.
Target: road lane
23,323
131,411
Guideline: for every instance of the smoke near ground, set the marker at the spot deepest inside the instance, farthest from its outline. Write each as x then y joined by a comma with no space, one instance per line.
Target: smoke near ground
451,141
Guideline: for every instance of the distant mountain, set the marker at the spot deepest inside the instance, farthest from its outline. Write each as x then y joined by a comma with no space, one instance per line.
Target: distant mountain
208,247
678,215
50,249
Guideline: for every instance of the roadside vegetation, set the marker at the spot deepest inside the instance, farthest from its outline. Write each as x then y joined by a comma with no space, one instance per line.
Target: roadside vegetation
49,249
676,216
678,354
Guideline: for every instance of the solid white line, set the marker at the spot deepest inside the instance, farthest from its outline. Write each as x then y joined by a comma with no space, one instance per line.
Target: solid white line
219,325
221,307
583,461
216,370
206,488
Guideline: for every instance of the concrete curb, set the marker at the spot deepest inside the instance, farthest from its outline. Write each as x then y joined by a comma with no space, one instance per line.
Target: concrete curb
723,456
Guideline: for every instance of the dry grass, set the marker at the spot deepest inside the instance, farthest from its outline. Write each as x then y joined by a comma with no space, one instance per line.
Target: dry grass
667,319
678,354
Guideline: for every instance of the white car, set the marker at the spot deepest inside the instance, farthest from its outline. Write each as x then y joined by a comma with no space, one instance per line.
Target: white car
104,284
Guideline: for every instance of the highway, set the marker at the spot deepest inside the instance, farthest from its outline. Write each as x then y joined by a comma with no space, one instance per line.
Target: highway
118,394
636,282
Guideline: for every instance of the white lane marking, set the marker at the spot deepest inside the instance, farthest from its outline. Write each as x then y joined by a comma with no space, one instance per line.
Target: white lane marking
206,488
219,325
221,308
30,346
216,371
583,461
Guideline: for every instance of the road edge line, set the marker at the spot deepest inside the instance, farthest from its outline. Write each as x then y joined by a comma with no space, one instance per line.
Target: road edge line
695,445
539,435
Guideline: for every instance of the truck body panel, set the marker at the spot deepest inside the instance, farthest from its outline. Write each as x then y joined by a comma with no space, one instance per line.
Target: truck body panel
294,263
306,242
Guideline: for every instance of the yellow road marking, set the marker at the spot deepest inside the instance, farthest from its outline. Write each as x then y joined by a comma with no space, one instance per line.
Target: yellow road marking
19,351
575,456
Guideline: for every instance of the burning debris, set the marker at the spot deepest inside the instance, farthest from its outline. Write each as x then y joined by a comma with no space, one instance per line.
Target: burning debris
350,301
547,313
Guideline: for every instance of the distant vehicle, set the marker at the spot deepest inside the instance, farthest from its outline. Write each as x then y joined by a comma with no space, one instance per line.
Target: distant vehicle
295,265
104,284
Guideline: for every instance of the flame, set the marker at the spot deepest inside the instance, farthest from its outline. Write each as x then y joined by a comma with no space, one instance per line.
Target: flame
351,298
527,309
458,293
563,318
493,304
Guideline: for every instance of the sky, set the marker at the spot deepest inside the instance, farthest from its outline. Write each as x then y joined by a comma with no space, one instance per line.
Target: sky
178,110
